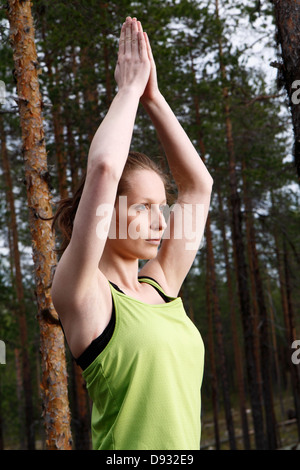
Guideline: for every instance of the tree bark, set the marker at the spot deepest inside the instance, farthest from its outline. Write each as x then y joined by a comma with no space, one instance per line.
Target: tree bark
81,414
212,359
54,377
263,328
240,260
291,334
287,15
288,316
236,346
212,285
56,117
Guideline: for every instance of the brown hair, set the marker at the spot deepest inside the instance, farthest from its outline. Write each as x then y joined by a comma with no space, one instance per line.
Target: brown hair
67,207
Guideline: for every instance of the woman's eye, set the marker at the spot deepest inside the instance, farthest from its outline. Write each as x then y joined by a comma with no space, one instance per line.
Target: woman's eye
141,207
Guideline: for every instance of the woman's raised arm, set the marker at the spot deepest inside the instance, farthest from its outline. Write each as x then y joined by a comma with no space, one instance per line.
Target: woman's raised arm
77,275
194,183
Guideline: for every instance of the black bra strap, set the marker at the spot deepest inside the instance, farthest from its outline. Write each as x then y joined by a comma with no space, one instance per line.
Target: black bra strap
116,287
98,344
164,296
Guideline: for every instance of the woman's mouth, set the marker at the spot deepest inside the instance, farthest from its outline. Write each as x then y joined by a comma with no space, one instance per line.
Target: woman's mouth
153,241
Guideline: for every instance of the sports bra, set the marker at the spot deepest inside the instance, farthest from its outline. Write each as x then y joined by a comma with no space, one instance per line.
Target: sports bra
99,343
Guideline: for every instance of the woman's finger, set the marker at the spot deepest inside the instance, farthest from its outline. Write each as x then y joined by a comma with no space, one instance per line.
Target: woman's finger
149,50
140,27
128,35
134,37
142,43
142,46
122,40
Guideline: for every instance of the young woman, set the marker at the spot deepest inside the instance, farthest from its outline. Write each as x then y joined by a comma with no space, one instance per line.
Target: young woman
142,357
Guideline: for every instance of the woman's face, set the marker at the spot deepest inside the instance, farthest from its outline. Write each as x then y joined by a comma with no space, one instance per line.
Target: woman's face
139,221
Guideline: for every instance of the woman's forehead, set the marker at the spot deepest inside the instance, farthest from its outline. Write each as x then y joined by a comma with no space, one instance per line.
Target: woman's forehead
146,184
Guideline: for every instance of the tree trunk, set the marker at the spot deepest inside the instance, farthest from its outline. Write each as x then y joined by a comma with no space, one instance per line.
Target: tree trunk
287,15
212,360
236,346
263,329
219,335
291,335
215,297
1,420
56,118
108,84
73,164
288,316
21,310
240,261
54,377
90,92
20,393
275,351
81,414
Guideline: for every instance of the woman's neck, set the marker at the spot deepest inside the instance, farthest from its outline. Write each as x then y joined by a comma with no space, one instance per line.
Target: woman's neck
123,272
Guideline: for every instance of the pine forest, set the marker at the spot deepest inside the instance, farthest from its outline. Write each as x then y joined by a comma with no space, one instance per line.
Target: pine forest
230,72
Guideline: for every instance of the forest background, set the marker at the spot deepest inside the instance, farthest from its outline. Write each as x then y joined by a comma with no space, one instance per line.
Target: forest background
218,66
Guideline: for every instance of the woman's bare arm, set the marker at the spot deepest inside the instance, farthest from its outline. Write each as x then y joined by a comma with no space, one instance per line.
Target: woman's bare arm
79,290
194,184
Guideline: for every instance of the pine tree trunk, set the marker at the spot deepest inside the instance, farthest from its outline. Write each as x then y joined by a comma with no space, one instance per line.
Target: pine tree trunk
240,260
219,335
287,15
20,393
1,420
56,101
90,92
81,414
212,360
108,84
287,311
236,346
73,164
21,310
275,351
263,330
54,377
291,335
215,296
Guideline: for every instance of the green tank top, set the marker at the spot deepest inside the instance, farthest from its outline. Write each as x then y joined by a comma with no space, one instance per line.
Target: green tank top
145,384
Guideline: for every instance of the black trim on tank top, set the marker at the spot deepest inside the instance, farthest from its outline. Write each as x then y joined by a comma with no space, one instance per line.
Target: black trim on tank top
164,296
98,344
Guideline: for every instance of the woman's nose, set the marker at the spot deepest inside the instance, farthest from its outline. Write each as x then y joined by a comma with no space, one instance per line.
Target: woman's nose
157,218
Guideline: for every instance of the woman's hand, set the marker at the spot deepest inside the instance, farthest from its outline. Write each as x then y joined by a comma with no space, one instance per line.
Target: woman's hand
133,66
151,91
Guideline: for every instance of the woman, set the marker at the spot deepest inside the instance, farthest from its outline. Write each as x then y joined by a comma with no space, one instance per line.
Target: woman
142,357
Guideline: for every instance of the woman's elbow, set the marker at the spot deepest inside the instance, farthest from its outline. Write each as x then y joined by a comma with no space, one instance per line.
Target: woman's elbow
210,183
102,167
